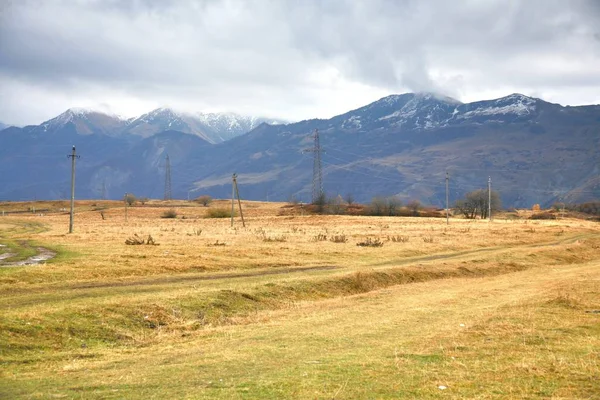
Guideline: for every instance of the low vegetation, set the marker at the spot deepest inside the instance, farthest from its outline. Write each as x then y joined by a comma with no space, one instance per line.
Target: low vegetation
218,213
299,305
170,213
205,200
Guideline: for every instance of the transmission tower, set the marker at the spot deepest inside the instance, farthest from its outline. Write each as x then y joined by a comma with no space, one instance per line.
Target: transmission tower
167,178
317,182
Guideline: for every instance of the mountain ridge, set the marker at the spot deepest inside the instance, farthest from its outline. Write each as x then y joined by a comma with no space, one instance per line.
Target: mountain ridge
402,145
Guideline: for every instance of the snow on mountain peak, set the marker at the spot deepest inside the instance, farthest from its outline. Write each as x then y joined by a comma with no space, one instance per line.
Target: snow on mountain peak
515,104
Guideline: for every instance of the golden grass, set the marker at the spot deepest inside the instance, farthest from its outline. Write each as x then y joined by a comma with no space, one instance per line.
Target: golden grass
276,312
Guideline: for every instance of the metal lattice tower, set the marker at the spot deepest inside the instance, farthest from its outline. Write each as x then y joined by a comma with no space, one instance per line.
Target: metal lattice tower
167,178
317,183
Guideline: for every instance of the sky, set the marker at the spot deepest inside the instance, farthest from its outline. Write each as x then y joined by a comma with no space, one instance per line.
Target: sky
294,60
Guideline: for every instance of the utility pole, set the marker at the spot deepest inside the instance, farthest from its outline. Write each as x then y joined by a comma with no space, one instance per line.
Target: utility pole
167,179
447,205
234,191
237,192
317,182
490,198
126,198
73,156
232,197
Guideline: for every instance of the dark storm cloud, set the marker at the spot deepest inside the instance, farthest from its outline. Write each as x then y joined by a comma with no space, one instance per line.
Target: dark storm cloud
293,56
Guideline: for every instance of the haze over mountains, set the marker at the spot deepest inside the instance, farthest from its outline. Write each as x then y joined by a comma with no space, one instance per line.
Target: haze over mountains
534,151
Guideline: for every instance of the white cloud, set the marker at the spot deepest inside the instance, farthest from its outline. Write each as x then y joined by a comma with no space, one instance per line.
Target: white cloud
288,59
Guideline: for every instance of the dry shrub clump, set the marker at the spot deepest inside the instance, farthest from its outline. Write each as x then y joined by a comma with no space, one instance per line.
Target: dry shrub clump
218,213
136,240
170,213
369,242
543,215
338,239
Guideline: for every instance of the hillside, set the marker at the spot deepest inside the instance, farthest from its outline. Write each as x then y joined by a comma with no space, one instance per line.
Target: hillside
534,152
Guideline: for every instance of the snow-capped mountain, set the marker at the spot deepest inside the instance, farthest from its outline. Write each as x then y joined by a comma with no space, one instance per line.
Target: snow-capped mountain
535,151
212,127
84,121
429,111
3,126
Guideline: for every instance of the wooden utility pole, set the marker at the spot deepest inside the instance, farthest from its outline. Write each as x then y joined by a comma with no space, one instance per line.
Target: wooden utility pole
73,156
232,197
237,192
490,198
126,198
447,205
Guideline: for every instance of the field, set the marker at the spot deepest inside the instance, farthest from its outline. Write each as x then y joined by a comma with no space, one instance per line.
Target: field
295,305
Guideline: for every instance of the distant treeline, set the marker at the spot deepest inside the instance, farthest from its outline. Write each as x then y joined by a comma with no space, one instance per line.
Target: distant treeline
592,207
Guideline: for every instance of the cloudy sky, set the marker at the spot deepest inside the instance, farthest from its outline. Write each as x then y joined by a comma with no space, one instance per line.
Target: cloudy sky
291,59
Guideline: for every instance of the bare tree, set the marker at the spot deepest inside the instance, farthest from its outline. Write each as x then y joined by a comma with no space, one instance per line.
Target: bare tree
349,199
414,206
475,203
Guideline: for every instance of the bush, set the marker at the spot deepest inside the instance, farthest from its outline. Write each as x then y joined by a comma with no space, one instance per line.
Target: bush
321,237
218,213
543,215
171,213
205,200
370,243
130,199
338,239
136,240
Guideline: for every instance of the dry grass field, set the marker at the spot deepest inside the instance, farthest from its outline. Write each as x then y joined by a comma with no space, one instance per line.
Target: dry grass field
293,306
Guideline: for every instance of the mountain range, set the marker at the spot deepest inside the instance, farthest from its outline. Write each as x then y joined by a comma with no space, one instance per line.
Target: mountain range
212,127
532,150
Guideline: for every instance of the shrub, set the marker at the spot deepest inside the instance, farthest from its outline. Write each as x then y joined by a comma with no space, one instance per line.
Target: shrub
428,239
543,215
205,200
338,239
170,213
370,243
321,237
130,199
218,213
280,238
135,240
399,239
